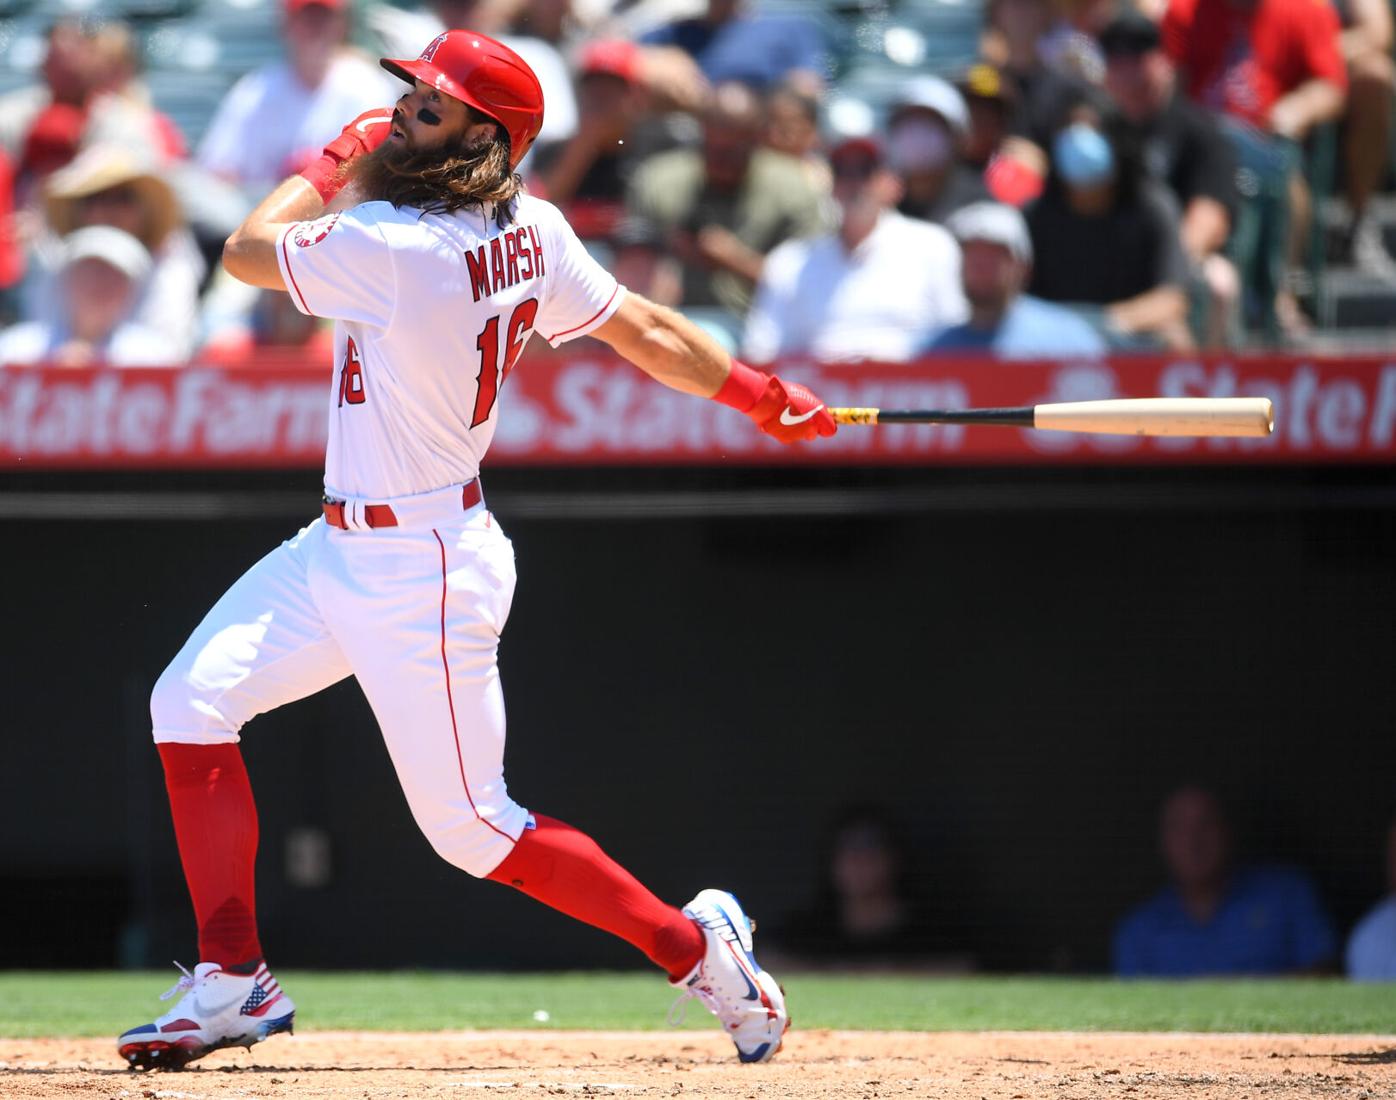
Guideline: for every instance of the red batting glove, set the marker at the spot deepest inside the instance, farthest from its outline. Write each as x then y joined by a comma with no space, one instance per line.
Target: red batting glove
361,136
785,410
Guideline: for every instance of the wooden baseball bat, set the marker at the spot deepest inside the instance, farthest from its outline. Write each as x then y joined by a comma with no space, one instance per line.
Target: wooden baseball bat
1231,416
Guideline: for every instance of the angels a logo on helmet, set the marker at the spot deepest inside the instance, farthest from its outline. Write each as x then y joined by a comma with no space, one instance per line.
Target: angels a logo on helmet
429,54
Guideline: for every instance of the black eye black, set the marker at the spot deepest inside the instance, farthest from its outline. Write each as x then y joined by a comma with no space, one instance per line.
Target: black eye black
428,117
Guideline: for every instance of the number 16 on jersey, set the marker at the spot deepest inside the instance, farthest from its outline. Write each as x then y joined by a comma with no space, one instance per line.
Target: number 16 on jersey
490,376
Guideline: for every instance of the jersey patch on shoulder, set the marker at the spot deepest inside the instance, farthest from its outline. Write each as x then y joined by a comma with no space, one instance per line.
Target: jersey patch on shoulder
311,233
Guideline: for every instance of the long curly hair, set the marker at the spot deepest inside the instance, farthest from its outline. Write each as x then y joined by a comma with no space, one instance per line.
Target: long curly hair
441,181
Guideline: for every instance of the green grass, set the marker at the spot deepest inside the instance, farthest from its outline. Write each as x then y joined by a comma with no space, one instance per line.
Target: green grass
104,1003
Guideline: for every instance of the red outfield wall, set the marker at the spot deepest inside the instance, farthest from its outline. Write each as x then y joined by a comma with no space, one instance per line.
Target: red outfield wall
593,409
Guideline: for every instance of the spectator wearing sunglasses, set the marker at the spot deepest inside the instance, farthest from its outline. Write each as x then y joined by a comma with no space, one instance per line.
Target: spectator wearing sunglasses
879,288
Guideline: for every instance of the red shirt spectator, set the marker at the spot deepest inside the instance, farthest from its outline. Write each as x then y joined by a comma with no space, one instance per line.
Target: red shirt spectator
1242,57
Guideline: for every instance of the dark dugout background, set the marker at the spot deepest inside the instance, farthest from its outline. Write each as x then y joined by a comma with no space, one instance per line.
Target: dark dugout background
702,667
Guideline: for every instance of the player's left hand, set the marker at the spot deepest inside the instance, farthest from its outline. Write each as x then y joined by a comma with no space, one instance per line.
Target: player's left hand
361,136
791,413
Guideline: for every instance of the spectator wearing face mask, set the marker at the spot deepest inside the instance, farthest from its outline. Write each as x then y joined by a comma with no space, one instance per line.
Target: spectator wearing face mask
925,132
95,292
1106,240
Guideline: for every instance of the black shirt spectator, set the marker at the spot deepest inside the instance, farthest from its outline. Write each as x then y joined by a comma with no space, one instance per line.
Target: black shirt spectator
1106,235
1130,249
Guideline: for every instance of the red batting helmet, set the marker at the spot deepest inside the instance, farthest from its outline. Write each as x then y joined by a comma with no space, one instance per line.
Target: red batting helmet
486,75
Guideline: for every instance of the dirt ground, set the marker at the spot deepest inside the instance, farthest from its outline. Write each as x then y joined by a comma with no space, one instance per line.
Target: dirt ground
993,1066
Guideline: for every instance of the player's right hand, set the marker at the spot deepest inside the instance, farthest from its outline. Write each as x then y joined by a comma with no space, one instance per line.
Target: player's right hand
791,413
361,136
785,410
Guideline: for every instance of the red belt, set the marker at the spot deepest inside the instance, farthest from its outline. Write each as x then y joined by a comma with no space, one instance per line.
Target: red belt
382,515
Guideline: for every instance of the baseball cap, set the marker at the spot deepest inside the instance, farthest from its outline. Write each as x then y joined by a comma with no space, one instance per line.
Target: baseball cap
934,94
1130,32
611,57
864,145
113,246
1082,155
985,81
993,222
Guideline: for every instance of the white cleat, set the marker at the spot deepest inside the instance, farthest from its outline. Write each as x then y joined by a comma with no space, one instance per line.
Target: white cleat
729,981
218,1010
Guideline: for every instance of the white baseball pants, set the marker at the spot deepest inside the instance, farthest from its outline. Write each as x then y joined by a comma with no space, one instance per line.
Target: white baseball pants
415,612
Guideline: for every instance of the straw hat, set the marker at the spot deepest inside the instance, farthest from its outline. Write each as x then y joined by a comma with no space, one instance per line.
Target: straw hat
102,167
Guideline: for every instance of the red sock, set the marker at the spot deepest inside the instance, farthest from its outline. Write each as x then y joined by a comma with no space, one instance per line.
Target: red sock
215,823
564,868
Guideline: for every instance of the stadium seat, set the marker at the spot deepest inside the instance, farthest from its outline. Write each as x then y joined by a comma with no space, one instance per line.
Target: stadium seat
189,98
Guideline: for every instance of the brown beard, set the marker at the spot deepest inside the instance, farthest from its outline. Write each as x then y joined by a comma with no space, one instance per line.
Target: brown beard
440,180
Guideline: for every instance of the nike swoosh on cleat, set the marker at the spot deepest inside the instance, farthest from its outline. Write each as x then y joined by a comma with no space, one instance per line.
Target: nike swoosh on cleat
790,421
752,993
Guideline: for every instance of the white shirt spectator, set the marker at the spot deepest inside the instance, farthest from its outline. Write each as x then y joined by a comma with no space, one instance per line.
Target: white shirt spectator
882,301
270,124
1371,952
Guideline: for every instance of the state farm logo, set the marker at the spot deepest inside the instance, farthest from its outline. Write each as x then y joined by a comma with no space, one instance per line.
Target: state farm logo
309,233
429,54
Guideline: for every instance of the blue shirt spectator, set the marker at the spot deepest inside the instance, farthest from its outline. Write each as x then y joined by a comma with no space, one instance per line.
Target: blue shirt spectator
760,50
1028,328
996,260
1217,919
1371,951
1269,921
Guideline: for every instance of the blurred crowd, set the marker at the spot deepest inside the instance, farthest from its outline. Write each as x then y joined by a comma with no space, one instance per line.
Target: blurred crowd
1218,913
1091,177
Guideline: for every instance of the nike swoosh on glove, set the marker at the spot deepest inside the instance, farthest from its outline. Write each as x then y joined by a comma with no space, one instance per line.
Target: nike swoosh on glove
791,413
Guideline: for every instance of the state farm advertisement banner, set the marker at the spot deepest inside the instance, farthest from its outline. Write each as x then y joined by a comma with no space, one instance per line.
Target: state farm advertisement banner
595,409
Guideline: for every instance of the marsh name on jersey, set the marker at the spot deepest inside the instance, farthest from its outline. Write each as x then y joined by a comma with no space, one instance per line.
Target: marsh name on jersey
502,261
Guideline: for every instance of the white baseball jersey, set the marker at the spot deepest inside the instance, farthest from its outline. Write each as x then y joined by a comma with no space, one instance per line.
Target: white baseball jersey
414,401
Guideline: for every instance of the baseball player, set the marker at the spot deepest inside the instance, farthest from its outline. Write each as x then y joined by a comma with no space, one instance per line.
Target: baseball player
437,269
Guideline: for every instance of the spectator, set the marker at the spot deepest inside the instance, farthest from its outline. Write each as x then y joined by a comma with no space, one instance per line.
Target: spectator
1105,238
989,100
1273,70
277,118
1044,97
1217,918
925,131
42,124
587,175
402,33
760,50
101,271
867,909
720,209
1371,949
129,116
995,265
1366,46
792,128
1183,147
879,288
270,323
107,185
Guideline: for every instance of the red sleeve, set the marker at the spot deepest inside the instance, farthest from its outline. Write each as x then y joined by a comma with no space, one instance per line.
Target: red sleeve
1319,49
1175,29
